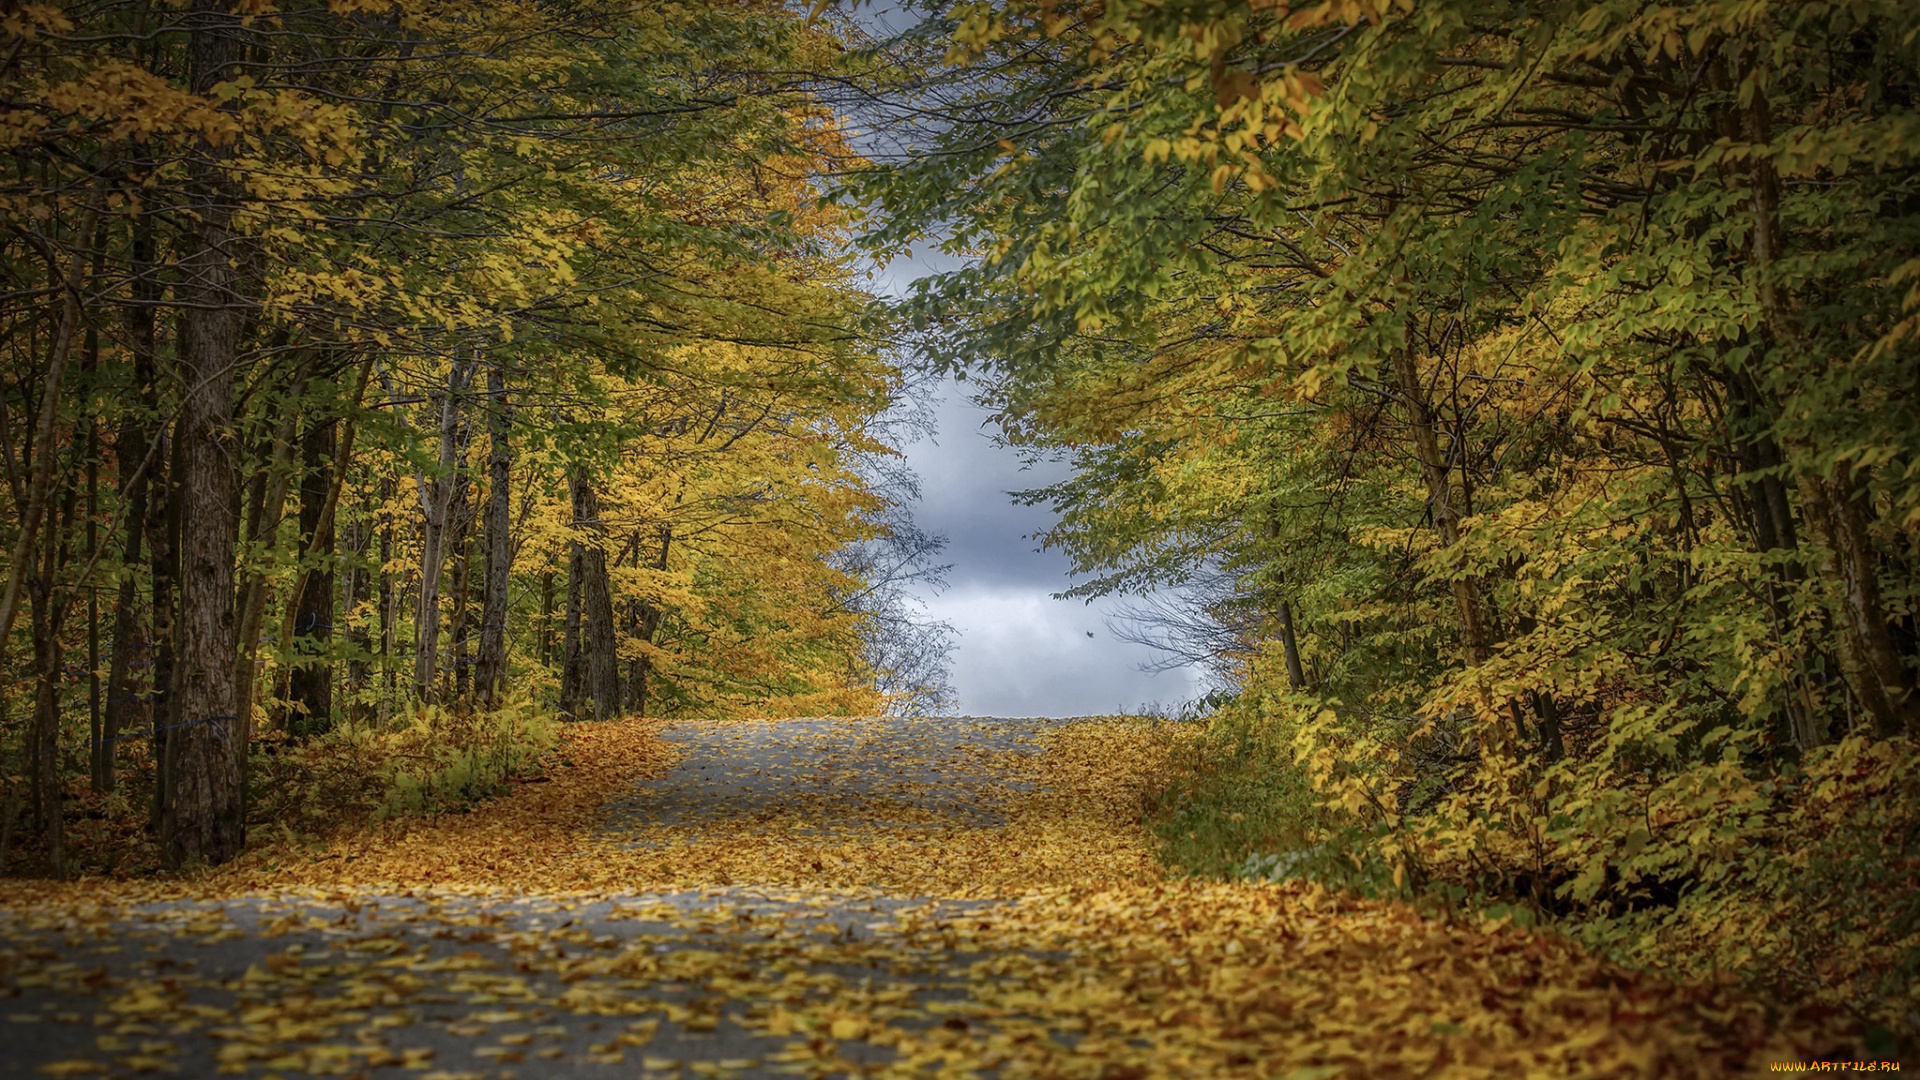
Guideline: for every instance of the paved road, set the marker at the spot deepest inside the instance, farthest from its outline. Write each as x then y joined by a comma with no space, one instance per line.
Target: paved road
724,982
833,776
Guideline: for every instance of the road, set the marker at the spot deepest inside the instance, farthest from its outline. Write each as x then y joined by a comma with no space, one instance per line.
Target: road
720,981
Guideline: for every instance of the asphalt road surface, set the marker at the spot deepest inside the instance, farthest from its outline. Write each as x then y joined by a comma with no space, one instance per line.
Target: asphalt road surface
444,986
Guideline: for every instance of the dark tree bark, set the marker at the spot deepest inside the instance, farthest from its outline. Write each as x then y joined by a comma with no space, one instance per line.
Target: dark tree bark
1805,719
573,679
1874,667
96,742
353,592
310,679
1547,711
546,618
633,679
591,631
1290,645
41,471
492,667
460,530
163,568
47,615
1869,656
49,799
266,504
127,703
388,677
128,706
203,819
1475,639
642,672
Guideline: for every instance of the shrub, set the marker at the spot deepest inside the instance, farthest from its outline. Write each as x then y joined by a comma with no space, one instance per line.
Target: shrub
440,759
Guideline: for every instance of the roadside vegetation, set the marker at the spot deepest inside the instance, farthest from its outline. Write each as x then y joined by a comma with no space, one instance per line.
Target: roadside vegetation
1514,403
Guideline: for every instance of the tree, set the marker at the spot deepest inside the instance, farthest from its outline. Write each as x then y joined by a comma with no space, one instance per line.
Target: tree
1534,366
263,263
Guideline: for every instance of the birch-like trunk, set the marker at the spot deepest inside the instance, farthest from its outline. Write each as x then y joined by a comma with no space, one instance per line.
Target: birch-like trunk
436,498
491,669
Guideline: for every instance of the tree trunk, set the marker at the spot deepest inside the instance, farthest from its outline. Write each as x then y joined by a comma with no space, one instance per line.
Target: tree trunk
203,819
1552,746
310,674
128,708
573,681
436,496
163,563
40,480
126,704
492,667
1869,656
1803,720
388,677
1290,645
649,626
353,593
1475,642
266,506
602,641
633,680
48,618
460,531
47,657
546,618
594,636
96,736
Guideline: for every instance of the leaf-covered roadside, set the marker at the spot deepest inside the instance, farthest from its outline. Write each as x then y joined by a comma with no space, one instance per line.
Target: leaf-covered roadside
1073,956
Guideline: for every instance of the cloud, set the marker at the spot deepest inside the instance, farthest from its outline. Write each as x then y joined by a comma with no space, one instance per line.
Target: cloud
1021,652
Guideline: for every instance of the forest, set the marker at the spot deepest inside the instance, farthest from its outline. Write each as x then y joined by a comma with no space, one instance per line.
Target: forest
1514,403
1518,403
373,367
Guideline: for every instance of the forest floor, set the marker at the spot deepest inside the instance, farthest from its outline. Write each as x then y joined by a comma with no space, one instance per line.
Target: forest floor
947,897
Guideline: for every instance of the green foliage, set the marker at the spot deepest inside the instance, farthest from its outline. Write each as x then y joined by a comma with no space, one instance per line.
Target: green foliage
1542,373
482,255
1233,797
449,760
434,760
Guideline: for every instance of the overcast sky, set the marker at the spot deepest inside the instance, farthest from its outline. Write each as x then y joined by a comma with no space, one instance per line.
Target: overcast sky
1020,652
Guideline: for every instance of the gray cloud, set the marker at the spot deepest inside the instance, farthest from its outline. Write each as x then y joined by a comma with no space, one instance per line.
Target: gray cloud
1020,652
965,479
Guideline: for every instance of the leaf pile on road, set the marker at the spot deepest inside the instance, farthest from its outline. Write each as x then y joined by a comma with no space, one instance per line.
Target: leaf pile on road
1044,946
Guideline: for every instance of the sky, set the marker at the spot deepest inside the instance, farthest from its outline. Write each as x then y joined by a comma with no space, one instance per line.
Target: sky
1019,651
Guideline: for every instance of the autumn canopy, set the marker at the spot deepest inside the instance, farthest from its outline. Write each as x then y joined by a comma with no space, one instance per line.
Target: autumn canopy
1514,403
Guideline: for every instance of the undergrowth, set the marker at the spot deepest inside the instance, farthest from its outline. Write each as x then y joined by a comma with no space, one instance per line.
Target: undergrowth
1807,894
437,760
432,760
1233,797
